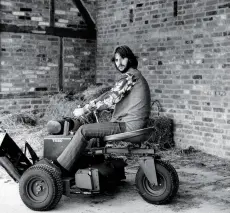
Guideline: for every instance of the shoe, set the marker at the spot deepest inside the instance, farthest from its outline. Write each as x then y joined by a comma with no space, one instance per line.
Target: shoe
50,164
54,164
64,172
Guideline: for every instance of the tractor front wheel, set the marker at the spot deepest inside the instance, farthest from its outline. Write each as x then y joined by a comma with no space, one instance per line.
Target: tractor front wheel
39,188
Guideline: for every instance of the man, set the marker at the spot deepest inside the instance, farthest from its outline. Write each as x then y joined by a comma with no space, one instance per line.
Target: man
130,99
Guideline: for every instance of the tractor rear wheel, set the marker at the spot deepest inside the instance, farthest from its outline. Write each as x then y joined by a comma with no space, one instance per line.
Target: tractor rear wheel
168,184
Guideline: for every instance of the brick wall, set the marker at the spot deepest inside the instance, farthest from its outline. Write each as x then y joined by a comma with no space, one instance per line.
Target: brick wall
184,52
37,13
79,63
25,12
34,64
29,63
33,102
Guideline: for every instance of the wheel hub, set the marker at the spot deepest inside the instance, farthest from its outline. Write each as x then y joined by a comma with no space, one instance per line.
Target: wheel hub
153,189
37,190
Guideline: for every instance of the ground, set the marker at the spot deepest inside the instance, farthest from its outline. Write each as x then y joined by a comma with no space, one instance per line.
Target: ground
204,187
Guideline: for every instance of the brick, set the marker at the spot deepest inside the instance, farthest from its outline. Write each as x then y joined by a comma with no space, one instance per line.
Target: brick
18,13
211,13
26,107
60,24
207,119
6,3
52,65
6,85
38,31
197,77
218,130
60,12
73,9
39,19
63,21
68,65
218,109
42,23
36,102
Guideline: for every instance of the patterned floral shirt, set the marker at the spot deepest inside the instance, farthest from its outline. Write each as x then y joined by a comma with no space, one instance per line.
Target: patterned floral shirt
110,98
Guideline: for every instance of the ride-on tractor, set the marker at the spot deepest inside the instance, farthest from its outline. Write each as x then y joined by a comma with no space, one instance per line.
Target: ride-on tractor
101,166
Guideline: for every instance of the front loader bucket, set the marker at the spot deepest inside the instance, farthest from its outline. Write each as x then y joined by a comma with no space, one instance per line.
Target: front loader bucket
12,159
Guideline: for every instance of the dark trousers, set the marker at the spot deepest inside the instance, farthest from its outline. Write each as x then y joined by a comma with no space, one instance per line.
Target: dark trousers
75,148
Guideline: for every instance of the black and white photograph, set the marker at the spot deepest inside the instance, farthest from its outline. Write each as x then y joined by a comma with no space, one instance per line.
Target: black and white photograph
117,106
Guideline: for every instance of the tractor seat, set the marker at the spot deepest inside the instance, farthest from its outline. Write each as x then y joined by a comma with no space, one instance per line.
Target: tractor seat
137,136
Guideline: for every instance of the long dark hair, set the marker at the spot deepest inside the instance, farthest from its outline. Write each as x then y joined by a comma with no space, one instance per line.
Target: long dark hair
125,52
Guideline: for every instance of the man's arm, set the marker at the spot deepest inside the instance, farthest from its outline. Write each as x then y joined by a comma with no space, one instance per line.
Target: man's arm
110,98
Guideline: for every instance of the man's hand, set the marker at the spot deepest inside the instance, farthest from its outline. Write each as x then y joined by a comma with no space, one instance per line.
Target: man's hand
78,112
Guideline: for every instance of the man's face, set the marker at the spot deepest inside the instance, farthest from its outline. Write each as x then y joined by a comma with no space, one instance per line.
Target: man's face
121,63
